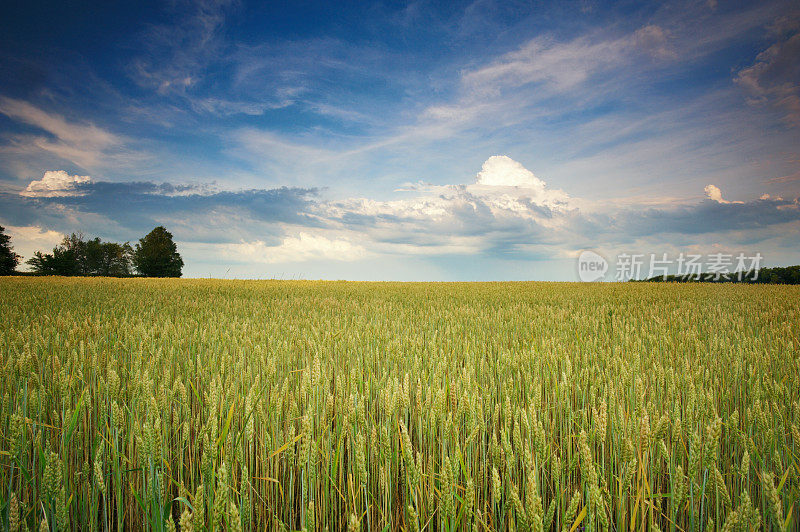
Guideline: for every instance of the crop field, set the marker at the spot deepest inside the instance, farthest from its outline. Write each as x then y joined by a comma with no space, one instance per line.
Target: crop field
281,405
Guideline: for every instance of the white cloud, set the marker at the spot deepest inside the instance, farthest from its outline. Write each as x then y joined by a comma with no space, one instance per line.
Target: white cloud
56,183
546,76
500,170
302,247
504,187
506,205
714,193
507,186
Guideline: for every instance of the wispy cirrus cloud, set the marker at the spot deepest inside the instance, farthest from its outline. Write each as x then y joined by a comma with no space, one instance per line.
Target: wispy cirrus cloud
175,56
84,144
774,78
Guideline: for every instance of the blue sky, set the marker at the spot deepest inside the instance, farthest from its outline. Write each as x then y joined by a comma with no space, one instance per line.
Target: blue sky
409,141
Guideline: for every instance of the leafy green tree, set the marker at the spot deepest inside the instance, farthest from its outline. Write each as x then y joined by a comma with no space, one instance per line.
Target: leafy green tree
118,259
778,275
107,259
64,260
76,256
40,263
8,259
157,255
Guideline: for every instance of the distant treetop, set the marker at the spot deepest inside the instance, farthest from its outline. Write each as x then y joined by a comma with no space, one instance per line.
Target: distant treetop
777,275
157,255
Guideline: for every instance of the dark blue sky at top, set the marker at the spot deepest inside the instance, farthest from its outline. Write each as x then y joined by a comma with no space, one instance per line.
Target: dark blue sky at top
630,106
50,46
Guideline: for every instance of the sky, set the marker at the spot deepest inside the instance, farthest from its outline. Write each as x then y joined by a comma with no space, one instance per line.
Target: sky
435,141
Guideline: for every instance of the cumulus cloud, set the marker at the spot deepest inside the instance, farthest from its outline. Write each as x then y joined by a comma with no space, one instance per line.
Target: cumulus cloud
503,188
505,210
500,170
56,183
715,194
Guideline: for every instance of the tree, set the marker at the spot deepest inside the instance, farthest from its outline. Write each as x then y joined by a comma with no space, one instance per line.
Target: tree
157,255
41,263
107,259
66,258
76,256
8,259
117,259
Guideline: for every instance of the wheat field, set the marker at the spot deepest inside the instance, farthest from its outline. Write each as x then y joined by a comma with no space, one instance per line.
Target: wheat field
287,405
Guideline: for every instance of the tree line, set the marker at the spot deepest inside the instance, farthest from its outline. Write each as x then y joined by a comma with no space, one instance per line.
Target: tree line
155,255
777,275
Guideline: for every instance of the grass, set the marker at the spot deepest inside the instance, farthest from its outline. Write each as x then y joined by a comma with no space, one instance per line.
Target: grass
202,405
